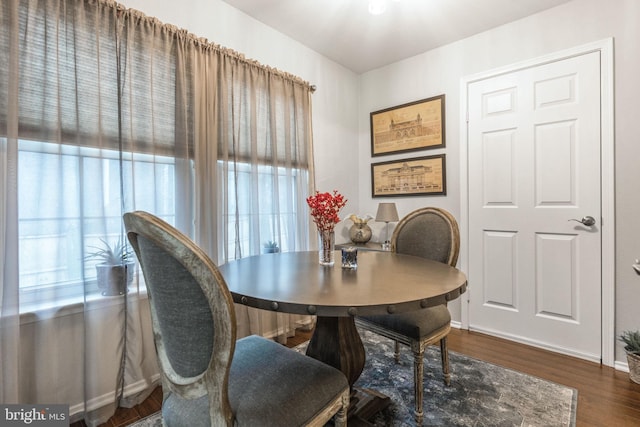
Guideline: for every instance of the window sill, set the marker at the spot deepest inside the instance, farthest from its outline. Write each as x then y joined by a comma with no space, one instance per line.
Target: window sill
74,305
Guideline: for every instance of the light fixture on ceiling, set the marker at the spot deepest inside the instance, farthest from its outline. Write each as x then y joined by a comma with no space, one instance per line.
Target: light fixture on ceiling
377,7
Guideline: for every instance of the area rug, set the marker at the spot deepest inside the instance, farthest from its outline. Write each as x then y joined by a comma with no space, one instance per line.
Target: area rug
481,394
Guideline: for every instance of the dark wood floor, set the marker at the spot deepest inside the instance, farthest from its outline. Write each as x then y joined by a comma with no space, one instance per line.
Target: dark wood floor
606,397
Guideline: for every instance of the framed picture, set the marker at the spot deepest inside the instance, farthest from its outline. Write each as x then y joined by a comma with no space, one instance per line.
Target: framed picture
409,177
414,126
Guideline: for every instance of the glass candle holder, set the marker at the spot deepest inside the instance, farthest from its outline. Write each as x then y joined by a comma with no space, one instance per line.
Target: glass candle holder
350,258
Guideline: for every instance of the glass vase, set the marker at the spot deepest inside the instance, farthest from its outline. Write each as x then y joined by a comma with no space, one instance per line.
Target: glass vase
326,246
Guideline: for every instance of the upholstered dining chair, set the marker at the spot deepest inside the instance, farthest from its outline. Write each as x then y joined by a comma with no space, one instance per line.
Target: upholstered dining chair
430,233
208,377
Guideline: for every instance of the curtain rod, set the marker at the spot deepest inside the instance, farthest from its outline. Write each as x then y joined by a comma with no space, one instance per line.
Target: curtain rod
205,43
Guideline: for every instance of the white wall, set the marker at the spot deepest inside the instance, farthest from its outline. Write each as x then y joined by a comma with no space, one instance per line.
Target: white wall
439,71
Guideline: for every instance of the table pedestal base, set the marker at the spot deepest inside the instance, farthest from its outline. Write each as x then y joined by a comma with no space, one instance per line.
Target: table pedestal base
336,342
365,403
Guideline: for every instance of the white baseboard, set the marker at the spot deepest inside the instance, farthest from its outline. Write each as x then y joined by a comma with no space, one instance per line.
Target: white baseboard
108,398
618,365
621,366
533,343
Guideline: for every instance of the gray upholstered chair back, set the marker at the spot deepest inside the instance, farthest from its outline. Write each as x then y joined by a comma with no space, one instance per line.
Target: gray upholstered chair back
191,308
430,233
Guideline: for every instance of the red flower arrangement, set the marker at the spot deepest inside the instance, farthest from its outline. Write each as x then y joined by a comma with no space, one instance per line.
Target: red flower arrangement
325,208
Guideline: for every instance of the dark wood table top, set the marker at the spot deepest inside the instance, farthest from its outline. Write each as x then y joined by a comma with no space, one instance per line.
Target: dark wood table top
384,282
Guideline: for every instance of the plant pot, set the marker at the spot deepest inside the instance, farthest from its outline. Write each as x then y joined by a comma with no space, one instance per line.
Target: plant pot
633,360
114,279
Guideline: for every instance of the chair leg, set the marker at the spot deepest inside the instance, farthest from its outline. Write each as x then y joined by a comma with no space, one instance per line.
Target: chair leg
340,418
396,354
418,386
444,354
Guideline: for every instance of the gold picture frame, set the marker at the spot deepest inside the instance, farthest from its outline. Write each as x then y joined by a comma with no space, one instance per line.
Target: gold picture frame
409,177
414,126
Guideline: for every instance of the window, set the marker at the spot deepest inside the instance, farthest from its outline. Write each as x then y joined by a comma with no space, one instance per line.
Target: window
272,214
69,200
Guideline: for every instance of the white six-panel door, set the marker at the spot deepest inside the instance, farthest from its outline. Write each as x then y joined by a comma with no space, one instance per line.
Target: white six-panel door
533,166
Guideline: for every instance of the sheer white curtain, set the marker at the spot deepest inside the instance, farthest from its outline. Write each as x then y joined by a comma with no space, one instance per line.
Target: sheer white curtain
104,110
258,169
89,127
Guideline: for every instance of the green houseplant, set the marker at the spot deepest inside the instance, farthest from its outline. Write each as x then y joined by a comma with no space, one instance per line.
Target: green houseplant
270,247
115,267
631,340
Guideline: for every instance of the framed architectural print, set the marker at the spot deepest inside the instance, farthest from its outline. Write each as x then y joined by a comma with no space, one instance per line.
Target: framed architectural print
409,177
414,126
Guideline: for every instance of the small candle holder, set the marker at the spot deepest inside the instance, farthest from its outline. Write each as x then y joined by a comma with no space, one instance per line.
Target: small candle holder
350,258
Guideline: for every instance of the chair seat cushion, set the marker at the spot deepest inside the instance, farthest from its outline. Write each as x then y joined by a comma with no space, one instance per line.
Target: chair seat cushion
414,324
269,384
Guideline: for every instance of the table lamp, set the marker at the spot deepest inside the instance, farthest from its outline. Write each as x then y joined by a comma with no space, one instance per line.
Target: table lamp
387,213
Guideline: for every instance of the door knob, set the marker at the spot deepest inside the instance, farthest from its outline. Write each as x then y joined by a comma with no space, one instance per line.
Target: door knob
587,220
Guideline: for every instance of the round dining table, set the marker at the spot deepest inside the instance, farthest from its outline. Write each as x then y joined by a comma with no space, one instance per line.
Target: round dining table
382,283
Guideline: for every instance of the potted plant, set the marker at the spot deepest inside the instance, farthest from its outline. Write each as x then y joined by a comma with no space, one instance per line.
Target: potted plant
115,271
270,247
631,340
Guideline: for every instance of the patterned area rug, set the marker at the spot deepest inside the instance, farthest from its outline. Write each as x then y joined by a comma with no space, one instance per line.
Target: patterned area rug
480,394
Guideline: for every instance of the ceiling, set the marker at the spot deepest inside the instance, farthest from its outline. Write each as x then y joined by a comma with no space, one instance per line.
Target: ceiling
344,30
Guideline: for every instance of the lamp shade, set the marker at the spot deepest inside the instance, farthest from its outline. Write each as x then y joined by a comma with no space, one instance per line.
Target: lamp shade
387,212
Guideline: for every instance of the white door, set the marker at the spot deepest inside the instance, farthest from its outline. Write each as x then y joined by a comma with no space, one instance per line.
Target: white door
534,164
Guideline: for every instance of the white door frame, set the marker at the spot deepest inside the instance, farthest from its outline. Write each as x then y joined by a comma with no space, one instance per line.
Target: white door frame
605,47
